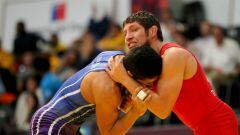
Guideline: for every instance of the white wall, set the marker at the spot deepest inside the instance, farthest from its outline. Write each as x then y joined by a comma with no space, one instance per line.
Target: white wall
37,16
219,12
78,13
1,16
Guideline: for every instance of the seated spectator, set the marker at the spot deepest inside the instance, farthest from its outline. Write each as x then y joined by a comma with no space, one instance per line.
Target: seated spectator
64,70
55,44
235,91
50,82
27,104
98,24
168,25
113,40
181,39
31,85
8,85
87,49
6,59
25,69
205,40
25,41
220,60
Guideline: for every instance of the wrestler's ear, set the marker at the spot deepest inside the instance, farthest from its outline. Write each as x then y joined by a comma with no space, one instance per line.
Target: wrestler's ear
153,31
129,73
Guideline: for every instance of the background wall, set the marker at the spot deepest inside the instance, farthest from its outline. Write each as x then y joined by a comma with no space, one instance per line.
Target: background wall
221,12
1,16
37,15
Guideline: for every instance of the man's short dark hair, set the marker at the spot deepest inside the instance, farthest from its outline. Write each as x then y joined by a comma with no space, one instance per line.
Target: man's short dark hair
143,62
147,20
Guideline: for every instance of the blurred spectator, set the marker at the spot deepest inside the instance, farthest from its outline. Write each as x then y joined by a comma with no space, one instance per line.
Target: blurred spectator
113,40
99,28
194,13
32,104
25,69
55,44
87,49
6,59
235,91
2,86
54,48
24,41
27,101
32,84
49,83
54,61
205,40
181,39
168,25
220,59
8,81
72,57
64,70
8,92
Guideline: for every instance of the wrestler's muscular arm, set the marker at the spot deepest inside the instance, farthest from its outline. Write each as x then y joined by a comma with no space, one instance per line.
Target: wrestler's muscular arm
169,84
107,97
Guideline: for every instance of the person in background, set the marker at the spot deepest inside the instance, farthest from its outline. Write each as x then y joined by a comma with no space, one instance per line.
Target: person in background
220,60
50,82
113,40
87,49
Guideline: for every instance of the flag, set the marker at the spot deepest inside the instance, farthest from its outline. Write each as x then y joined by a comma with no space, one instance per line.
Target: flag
59,11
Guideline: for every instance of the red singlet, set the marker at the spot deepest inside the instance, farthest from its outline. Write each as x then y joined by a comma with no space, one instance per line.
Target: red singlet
199,108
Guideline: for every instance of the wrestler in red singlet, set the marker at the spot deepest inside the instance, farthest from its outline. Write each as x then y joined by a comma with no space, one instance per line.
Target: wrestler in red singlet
200,109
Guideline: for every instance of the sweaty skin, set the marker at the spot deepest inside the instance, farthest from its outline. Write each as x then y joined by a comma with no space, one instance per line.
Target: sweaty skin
107,98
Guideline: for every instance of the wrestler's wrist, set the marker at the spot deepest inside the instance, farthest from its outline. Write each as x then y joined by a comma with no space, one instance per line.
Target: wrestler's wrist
137,90
125,81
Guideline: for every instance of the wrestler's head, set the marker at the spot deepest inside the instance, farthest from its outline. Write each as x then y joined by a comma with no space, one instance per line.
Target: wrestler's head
144,64
141,27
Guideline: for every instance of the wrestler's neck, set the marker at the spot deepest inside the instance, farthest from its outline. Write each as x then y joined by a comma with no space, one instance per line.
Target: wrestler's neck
156,45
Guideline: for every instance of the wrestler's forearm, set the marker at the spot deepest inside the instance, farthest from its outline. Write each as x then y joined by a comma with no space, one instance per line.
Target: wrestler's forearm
122,125
157,104
131,85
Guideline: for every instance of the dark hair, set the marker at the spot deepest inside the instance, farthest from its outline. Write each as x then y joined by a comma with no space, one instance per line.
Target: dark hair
221,29
20,27
35,107
41,64
143,62
36,76
147,20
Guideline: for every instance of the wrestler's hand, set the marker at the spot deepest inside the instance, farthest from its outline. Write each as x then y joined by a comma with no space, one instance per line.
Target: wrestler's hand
116,69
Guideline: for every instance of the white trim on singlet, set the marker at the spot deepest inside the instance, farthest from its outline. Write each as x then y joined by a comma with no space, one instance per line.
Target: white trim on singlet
66,115
38,122
64,96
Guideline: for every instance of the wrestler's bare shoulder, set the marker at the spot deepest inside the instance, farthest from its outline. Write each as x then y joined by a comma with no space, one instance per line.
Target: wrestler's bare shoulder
98,83
182,56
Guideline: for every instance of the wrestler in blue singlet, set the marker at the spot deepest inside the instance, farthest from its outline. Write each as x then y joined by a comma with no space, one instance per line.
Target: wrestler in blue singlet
68,105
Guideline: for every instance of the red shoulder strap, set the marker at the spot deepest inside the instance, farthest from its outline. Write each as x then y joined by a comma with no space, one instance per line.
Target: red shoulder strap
168,45
163,49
